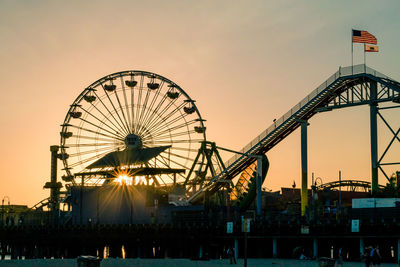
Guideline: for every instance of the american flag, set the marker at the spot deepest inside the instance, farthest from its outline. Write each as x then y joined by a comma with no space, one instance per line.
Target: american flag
363,37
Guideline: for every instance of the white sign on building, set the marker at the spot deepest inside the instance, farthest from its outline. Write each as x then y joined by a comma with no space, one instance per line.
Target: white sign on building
229,227
355,226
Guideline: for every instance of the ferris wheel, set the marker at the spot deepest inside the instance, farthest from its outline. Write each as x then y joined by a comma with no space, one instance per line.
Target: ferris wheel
135,122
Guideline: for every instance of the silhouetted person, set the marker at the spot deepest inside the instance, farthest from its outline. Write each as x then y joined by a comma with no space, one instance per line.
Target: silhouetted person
376,256
231,255
367,256
339,259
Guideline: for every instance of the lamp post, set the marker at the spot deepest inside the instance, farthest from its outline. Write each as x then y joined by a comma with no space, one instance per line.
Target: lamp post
340,189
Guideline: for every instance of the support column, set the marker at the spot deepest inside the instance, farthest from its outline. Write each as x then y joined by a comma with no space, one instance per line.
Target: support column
362,247
259,185
53,177
304,173
275,247
373,108
138,248
236,248
201,252
315,248
398,250
53,185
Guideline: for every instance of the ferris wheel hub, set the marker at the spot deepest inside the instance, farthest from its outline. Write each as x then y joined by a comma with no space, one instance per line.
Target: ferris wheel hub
133,141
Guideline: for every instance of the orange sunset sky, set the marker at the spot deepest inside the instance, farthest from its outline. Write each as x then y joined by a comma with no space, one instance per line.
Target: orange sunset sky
244,62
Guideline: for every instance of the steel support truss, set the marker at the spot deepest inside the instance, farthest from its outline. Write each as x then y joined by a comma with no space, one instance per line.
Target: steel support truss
395,137
213,165
366,91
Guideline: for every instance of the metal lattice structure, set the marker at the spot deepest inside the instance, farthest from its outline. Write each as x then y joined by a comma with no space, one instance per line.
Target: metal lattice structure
349,86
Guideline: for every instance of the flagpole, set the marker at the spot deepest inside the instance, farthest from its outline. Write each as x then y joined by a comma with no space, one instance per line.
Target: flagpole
365,63
352,52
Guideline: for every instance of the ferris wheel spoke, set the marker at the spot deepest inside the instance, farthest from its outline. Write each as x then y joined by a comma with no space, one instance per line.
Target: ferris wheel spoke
102,122
157,126
81,153
144,106
159,116
161,137
177,127
101,128
180,156
173,161
75,164
92,138
148,109
183,141
160,178
183,149
156,178
153,101
139,102
163,164
115,109
159,130
156,111
122,111
91,131
97,181
161,160
142,110
157,121
168,122
89,145
133,109
95,117
109,112
126,103
182,176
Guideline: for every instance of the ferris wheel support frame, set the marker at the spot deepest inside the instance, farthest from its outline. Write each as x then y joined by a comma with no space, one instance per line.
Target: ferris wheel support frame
208,149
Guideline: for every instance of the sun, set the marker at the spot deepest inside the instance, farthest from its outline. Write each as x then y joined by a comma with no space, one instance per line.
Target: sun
124,177
124,180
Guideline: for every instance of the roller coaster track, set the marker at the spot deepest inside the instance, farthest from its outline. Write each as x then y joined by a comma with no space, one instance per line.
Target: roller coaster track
43,203
324,98
351,185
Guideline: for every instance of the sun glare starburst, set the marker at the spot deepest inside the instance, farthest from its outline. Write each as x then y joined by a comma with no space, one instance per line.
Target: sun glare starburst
124,180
